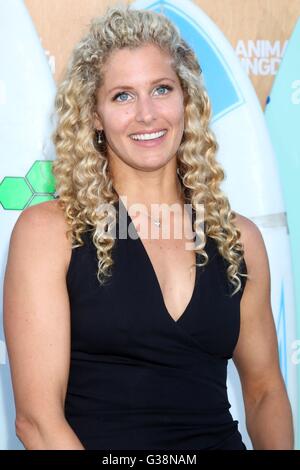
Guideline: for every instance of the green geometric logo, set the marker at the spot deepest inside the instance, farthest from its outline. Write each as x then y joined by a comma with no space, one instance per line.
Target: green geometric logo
37,186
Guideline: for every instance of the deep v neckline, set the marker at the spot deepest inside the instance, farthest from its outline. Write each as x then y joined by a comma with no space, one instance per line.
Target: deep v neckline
154,275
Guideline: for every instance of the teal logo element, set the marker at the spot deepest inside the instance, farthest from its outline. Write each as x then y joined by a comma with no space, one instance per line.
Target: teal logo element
17,192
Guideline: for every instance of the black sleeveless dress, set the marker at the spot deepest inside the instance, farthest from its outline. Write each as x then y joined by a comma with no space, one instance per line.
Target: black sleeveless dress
139,379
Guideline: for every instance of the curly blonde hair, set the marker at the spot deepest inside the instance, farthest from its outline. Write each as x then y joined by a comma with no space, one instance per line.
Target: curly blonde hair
81,169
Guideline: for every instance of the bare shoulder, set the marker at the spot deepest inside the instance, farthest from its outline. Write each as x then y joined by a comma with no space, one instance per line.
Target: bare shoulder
255,253
48,212
42,229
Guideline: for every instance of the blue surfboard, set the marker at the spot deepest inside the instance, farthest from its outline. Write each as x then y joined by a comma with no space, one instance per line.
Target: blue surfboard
283,120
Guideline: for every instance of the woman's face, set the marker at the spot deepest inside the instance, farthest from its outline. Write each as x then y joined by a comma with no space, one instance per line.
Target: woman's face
140,107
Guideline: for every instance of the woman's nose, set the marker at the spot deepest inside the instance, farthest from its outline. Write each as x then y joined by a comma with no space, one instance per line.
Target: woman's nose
145,109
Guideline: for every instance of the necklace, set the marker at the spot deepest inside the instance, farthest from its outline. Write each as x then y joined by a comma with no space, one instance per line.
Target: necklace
157,222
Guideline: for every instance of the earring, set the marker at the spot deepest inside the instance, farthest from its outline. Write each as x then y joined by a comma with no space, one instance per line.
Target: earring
100,135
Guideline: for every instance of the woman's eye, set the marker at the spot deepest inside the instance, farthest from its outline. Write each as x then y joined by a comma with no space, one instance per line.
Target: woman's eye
123,93
164,87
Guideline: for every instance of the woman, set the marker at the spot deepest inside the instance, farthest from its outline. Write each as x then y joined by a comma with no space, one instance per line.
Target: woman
118,343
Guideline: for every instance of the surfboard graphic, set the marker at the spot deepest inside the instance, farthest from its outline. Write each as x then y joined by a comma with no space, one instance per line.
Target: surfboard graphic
252,182
26,98
283,119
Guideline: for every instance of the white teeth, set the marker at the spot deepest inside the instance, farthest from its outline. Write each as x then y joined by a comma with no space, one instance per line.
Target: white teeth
154,135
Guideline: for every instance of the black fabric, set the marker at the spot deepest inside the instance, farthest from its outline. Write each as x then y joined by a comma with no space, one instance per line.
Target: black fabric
139,379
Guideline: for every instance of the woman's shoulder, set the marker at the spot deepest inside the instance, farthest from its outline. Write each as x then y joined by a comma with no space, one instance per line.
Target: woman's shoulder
43,209
44,219
255,253
43,228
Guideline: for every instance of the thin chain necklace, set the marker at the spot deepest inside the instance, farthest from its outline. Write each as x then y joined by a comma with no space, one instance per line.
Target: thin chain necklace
157,222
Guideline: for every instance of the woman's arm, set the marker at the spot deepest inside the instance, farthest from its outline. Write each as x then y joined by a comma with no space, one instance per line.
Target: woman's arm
37,327
268,412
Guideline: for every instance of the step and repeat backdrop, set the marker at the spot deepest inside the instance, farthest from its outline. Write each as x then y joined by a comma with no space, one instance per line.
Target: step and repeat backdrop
249,48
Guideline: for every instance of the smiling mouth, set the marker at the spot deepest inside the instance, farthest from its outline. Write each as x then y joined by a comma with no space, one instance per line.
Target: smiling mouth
148,136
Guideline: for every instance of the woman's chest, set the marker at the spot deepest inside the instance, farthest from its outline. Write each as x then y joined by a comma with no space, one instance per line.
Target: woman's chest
133,311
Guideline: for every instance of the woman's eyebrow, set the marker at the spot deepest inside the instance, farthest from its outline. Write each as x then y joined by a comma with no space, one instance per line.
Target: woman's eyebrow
131,88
